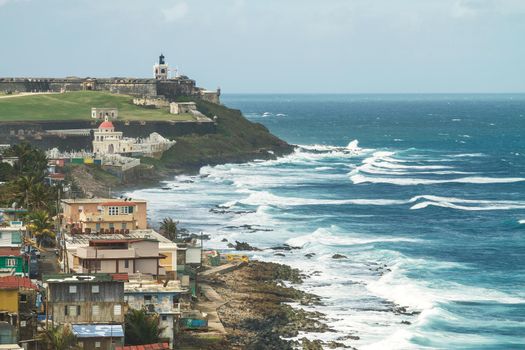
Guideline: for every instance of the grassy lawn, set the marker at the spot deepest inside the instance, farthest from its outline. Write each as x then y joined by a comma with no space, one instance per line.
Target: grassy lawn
77,106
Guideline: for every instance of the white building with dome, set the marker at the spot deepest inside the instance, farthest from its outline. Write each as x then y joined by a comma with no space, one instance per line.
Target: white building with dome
108,141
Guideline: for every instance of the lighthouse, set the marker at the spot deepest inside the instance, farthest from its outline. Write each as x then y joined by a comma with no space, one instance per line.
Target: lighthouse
160,70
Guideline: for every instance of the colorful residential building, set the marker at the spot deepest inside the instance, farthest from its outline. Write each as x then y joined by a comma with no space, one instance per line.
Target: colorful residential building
92,215
166,299
18,310
93,304
11,214
12,262
11,236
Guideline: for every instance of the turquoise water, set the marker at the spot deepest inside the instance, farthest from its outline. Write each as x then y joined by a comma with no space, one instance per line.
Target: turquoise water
424,195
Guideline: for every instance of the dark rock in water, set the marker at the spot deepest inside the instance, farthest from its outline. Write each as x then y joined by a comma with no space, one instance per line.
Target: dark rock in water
349,337
336,345
406,322
286,247
244,246
279,254
230,245
402,310
309,255
166,188
339,256
224,240
311,344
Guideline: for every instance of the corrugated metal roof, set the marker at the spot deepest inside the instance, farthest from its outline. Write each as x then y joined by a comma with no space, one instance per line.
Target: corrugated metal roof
98,330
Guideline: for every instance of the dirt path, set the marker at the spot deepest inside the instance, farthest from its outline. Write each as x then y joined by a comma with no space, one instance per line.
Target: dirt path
22,94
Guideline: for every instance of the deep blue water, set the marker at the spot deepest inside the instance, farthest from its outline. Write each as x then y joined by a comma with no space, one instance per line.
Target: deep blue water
427,205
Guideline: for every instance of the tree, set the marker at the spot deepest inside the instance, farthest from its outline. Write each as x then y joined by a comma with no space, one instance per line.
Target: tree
59,338
41,227
142,327
168,228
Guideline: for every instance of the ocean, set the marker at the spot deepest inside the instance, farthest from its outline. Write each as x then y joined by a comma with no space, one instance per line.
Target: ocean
423,195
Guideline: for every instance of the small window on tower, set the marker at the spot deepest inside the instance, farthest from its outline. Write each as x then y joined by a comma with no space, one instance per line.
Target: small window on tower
163,71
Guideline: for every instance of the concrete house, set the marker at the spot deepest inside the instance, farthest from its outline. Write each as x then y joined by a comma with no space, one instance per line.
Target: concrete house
119,256
12,262
166,299
11,236
103,214
92,303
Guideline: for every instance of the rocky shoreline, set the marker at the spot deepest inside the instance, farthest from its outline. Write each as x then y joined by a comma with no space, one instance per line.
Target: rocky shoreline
257,313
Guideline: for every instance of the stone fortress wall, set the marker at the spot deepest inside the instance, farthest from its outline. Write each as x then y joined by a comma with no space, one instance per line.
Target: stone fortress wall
171,88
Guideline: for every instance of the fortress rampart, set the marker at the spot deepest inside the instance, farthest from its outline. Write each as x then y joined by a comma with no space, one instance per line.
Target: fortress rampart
169,88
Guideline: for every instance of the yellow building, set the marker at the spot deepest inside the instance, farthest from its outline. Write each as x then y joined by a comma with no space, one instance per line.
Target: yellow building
103,215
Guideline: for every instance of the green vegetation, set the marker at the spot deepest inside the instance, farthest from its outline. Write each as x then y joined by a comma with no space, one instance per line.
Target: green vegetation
142,327
59,338
77,106
237,139
168,227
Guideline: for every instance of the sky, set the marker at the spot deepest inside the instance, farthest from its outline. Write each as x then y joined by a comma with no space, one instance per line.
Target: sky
275,46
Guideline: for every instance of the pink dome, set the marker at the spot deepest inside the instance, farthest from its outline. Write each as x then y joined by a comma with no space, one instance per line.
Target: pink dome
106,125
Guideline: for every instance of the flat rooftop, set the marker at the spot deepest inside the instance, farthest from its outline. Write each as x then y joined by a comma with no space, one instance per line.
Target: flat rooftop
82,239
149,286
101,200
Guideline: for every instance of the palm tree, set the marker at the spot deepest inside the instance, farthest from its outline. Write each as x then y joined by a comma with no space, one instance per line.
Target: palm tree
41,226
142,327
24,185
59,338
168,227
39,196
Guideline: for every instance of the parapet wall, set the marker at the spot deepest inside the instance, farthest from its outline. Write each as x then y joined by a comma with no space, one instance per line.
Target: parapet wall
171,89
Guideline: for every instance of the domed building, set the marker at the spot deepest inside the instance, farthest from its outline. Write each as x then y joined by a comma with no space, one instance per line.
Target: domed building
108,141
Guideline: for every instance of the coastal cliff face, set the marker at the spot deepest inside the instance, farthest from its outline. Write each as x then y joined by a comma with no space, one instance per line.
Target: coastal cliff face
236,140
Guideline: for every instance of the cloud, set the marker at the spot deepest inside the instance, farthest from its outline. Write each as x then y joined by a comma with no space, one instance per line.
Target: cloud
175,13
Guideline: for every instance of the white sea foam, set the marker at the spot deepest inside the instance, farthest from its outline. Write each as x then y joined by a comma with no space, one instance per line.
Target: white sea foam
359,179
326,237
522,222
267,198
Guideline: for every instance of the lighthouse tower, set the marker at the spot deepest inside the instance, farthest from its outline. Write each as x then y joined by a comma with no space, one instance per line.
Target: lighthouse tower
160,70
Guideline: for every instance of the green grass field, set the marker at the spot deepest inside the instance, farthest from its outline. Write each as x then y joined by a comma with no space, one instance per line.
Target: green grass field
77,106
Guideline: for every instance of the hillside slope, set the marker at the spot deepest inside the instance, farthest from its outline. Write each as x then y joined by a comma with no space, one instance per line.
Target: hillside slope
237,140
77,106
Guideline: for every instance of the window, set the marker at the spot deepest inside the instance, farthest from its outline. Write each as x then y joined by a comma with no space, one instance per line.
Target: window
117,310
97,227
11,262
124,210
95,289
147,298
111,225
72,310
97,344
113,210
23,298
164,317
126,264
72,289
16,238
23,323
95,310
123,226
